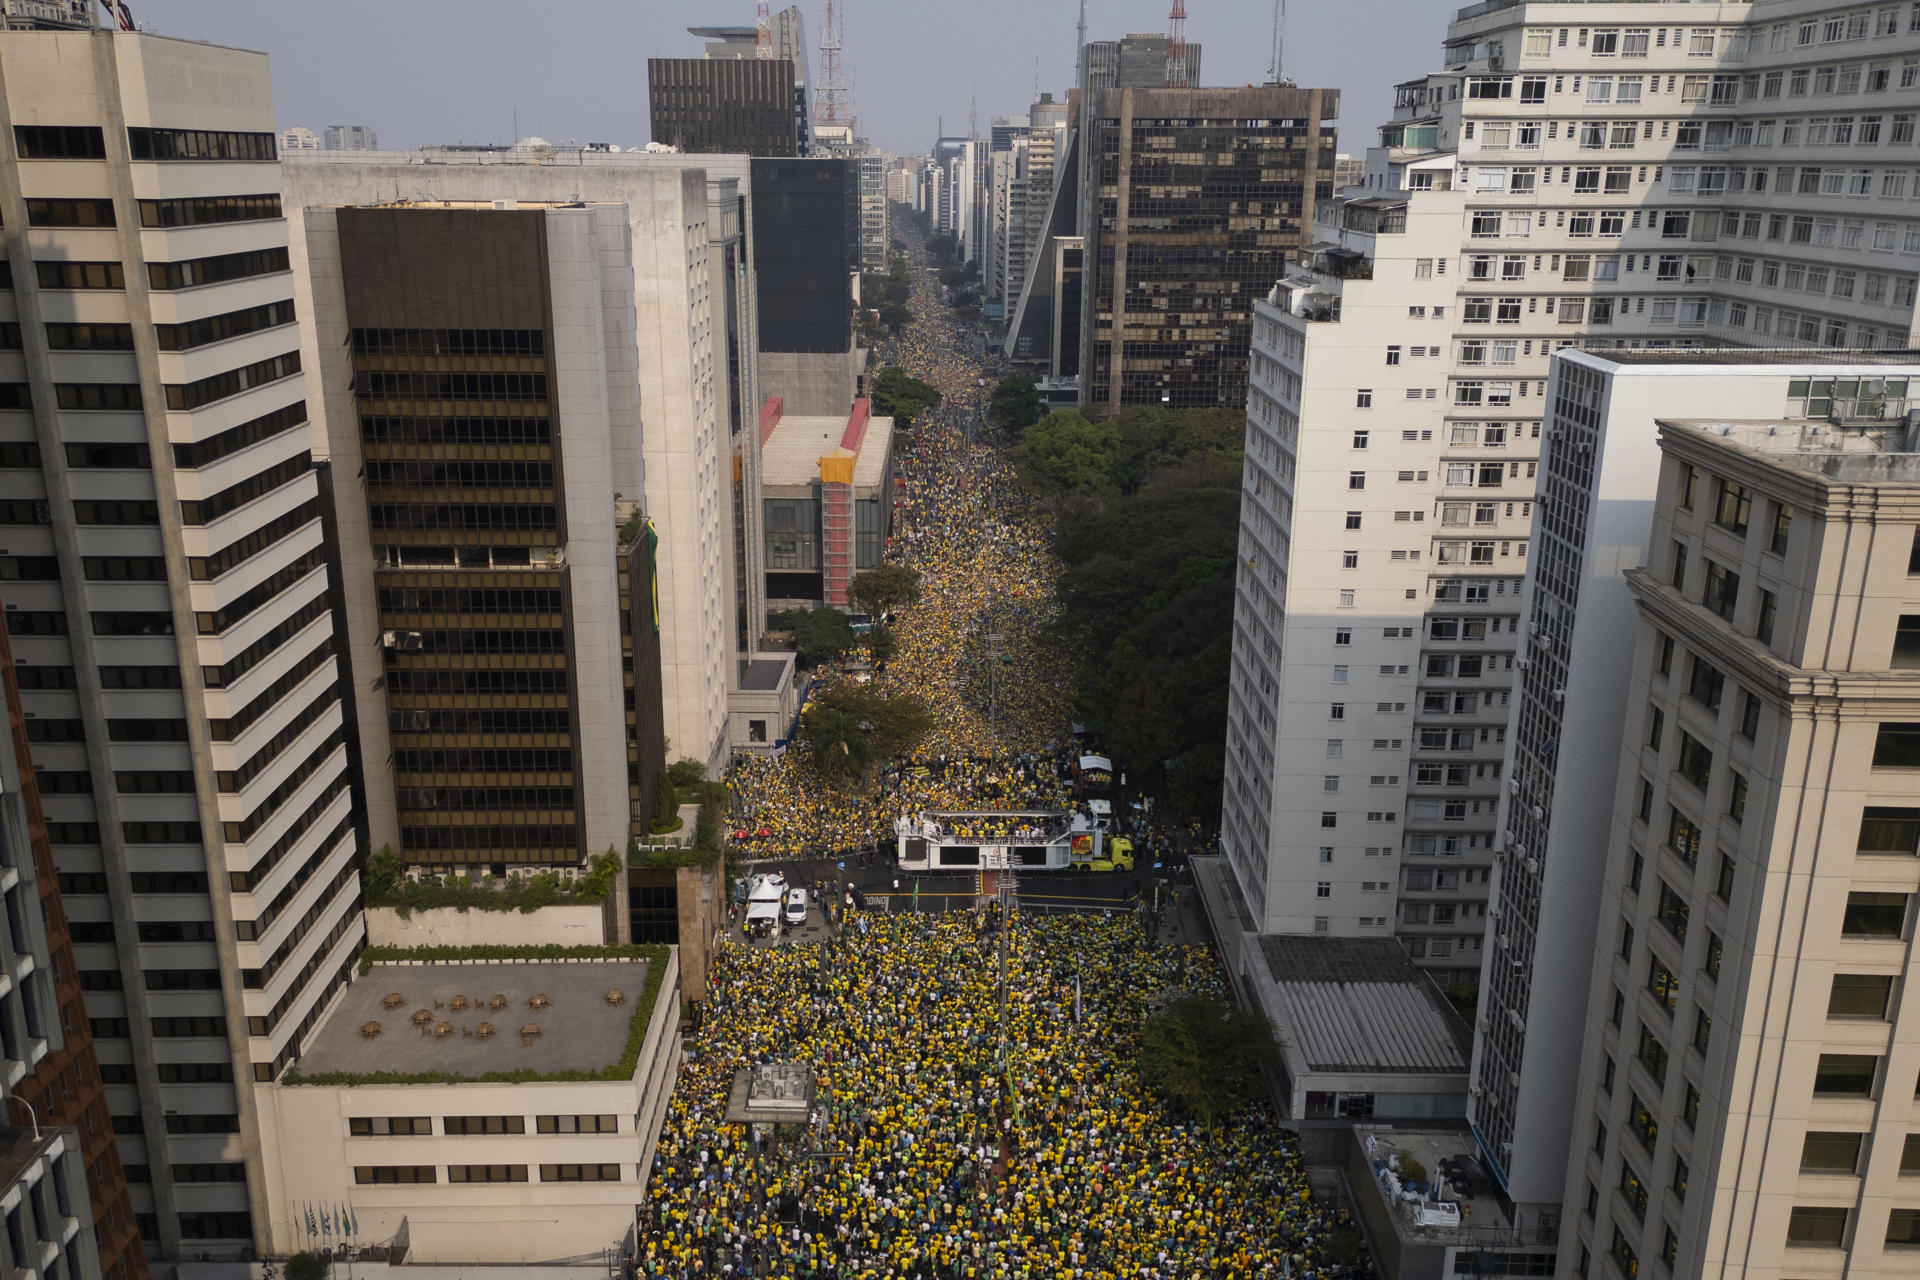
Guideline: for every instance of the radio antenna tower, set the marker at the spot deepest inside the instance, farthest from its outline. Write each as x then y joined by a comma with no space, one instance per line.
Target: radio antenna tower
763,33
1080,46
1177,46
1277,74
833,84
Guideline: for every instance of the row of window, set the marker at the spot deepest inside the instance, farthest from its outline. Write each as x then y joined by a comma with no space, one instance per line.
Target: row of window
407,1174
467,1126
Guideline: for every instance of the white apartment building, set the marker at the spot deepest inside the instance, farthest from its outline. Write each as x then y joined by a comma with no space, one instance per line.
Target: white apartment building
167,593
1006,265
1743,1099
1606,175
298,138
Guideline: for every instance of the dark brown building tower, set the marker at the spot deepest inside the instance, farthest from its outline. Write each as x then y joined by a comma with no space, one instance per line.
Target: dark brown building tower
64,1088
724,106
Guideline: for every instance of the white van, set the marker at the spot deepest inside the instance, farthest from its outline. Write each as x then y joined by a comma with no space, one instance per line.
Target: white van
796,907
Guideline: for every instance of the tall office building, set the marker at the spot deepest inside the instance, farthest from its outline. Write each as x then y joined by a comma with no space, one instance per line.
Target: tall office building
1198,198
52,1072
45,15
349,137
1603,176
298,138
496,416
167,582
731,100
693,289
1740,1103
739,106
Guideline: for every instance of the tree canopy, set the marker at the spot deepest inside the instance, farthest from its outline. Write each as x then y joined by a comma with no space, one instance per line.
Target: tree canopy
902,398
1203,1054
818,634
1149,535
848,728
1014,405
883,588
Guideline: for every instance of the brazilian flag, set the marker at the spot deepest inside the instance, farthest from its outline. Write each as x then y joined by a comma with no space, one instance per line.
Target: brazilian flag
653,571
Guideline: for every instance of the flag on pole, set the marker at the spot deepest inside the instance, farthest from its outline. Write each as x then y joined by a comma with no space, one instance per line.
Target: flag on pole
326,1223
311,1229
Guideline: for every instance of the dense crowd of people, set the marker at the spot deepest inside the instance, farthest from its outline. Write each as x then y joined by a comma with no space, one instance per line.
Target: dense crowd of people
976,649
935,1155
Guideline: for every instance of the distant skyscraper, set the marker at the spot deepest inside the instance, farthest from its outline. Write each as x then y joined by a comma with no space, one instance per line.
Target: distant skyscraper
166,584
299,138
350,137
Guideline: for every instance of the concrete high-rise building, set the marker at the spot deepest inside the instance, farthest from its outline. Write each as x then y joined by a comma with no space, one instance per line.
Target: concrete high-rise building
167,579
695,358
52,1070
1201,196
1725,586
494,438
1005,269
299,138
349,137
1563,182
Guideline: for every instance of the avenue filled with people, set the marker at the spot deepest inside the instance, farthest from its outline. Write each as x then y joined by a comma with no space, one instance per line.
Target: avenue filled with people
934,1153
964,1126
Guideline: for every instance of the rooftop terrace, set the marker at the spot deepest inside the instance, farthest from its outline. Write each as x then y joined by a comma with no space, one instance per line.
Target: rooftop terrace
579,1029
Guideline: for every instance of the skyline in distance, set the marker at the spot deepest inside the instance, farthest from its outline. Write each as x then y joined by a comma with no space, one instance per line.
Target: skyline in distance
563,85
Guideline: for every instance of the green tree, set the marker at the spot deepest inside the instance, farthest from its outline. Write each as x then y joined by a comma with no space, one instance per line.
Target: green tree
1203,1054
895,395
1068,453
942,244
666,807
687,774
849,728
1014,405
819,634
884,588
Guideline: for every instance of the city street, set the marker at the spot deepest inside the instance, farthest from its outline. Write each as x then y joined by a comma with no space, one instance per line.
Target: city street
966,1124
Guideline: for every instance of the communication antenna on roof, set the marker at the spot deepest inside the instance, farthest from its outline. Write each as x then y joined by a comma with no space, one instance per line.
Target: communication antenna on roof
832,108
1277,73
1080,46
763,33
1036,79
1177,46
973,110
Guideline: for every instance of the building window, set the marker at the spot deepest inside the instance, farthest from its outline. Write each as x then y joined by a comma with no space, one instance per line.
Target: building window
380,1175
1723,590
1363,398
1897,746
1734,508
1874,915
1356,479
1903,1227
1818,1227
1860,995
1324,889
474,1126
1845,1075
579,1173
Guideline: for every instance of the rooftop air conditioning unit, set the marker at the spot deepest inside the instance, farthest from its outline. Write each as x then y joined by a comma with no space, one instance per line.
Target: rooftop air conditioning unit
1513,1077
1533,866
1513,785
1539,814
1476,1089
389,639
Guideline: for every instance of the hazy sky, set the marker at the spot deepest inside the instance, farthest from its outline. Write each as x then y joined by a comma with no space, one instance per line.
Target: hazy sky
423,71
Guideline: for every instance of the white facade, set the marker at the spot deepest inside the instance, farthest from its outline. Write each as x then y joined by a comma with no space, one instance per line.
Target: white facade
165,531
1745,1078
477,1173
681,356
299,138
1608,175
